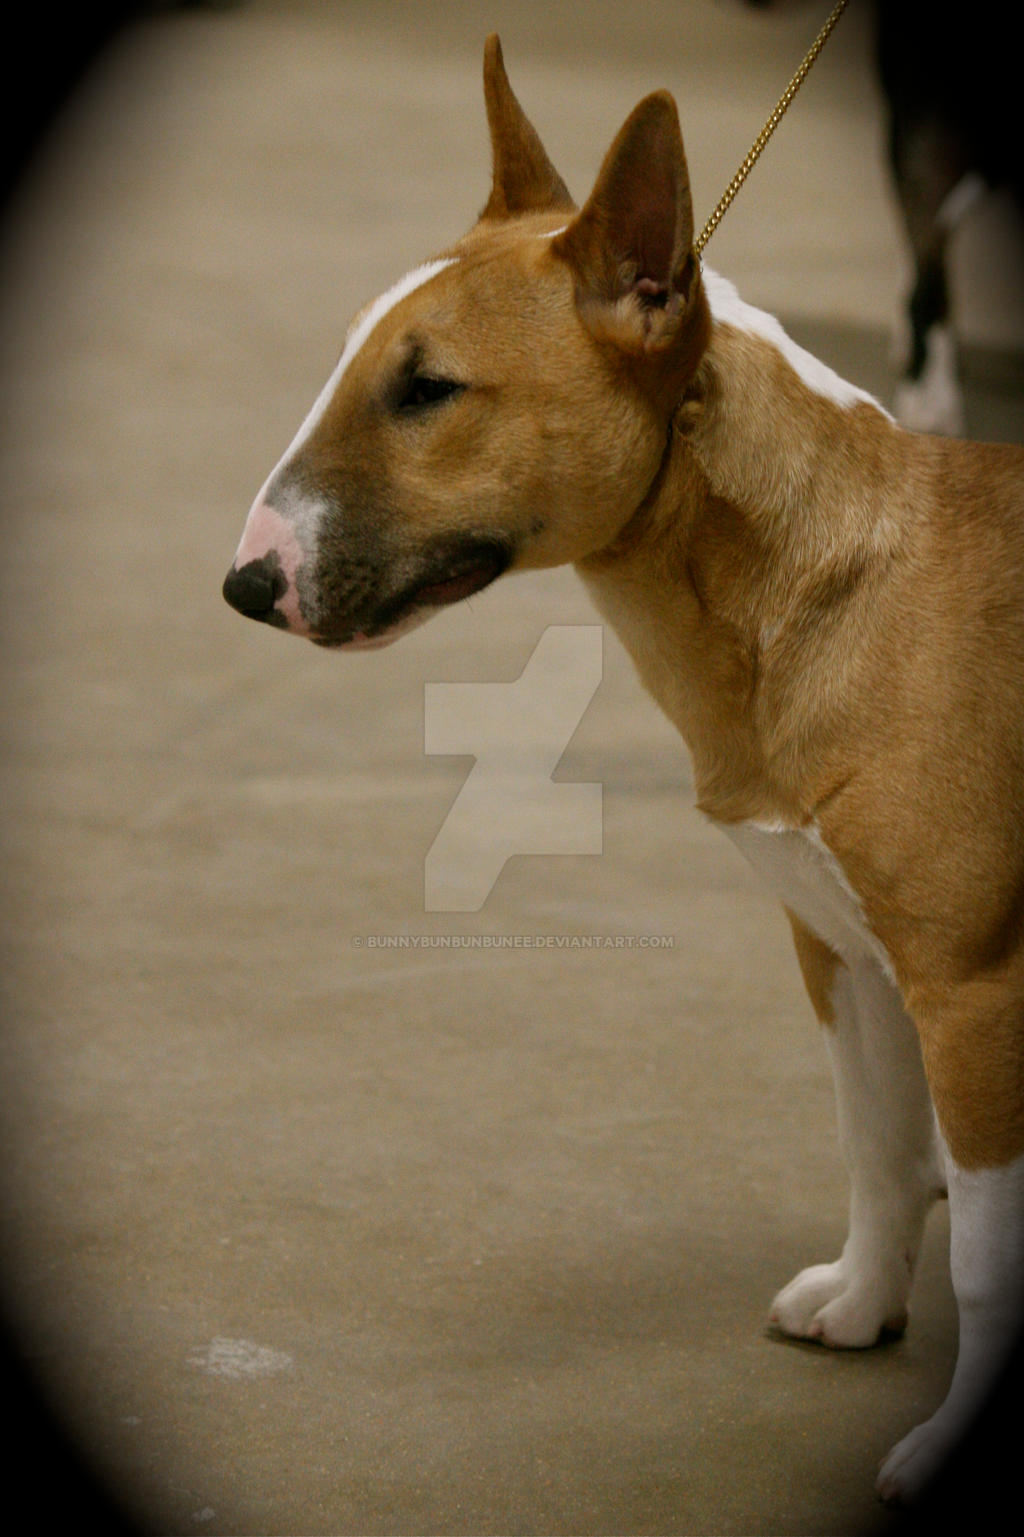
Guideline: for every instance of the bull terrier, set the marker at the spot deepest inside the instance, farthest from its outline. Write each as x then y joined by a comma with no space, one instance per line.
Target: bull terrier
828,607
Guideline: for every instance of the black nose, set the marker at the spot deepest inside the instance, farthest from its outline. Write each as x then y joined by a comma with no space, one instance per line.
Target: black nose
255,587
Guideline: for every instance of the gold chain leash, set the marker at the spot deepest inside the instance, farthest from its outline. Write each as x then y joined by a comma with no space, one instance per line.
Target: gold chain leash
769,127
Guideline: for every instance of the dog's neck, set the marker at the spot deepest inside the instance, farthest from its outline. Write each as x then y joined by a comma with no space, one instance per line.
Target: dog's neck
777,499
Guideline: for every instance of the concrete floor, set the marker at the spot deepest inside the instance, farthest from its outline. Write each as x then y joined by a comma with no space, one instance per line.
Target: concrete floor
304,1232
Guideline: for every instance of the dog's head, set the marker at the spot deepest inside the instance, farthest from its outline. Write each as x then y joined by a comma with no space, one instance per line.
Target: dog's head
507,404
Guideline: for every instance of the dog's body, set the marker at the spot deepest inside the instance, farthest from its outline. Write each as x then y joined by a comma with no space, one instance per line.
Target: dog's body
830,609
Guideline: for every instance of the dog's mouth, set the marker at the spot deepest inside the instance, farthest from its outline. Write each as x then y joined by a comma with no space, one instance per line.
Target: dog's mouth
449,575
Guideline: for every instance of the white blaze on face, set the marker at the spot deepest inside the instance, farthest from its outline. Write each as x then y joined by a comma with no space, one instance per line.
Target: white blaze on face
290,532
361,329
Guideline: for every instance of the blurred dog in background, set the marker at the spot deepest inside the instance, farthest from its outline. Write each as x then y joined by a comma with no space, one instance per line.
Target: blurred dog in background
953,132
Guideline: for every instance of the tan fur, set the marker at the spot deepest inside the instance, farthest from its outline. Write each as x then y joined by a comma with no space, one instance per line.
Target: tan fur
832,612
844,643
818,963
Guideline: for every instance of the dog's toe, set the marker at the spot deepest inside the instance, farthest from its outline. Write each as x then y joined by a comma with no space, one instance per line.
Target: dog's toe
908,1470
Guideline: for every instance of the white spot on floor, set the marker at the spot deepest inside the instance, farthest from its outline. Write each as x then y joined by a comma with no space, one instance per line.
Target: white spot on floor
239,1358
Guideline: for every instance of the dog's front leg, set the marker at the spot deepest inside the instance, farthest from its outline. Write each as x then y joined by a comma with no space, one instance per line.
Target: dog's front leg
987,1262
887,1136
975,1065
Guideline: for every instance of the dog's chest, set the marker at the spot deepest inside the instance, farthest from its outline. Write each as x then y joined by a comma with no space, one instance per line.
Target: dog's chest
807,877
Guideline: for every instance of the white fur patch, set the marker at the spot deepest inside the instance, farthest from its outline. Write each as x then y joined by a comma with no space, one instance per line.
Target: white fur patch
359,332
370,318
802,870
729,309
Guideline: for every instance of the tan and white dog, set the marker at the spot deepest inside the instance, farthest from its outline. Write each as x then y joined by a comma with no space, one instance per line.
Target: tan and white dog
830,609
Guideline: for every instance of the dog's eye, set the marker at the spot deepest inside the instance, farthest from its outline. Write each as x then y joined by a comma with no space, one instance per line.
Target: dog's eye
421,390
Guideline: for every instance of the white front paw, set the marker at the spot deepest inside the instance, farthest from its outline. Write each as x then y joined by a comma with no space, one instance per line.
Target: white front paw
907,1471
828,1304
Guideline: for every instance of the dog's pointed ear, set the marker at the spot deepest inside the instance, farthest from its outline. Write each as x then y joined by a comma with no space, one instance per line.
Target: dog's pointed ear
631,248
525,181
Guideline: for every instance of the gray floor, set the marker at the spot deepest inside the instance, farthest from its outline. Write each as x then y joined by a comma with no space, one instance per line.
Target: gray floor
325,1213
